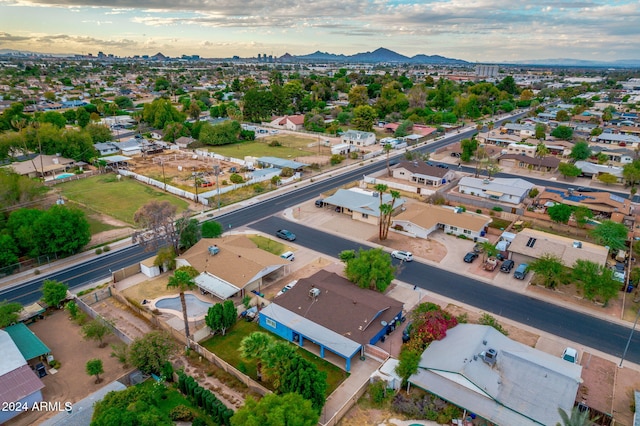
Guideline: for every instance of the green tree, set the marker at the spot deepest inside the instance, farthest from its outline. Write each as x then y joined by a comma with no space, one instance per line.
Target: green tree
135,405
182,281
508,84
580,151
541,152
607,178
8,251
157,225
370,269
358,96
213,319
582,216
211,229
562,116
562,132
560,213
611,234
53,292
595,280
550,268
94,368
123,102
83,117
468,147
220,134
364,117
54,118
569,170
97,329
160,112
98,133
488,250
150,352
9,313
236,178
190,232
254,346
541,130
276,410
61,230
408,363
631,173
20,225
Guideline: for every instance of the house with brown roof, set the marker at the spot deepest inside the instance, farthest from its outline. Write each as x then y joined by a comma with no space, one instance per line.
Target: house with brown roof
421,173
597,202
520,161
288,122
43,166
530,244
420,220
331,313
232,265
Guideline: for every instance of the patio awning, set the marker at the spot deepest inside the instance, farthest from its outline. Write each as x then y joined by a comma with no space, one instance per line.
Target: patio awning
494,193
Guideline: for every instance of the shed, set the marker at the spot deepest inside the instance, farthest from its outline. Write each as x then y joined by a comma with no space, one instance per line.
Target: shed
28,343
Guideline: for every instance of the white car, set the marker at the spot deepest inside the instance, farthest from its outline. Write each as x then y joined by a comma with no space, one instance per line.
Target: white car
570,355
288,255
287,287
404,256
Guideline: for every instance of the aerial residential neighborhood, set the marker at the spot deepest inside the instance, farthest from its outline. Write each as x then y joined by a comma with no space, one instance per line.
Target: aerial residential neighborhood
367,239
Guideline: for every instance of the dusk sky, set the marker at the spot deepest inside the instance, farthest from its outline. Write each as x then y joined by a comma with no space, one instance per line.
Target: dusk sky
473,30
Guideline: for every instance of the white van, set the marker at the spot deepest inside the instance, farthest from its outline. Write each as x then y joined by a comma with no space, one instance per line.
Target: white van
288,255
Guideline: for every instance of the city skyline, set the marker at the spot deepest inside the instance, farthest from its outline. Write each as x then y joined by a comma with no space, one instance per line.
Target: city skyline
479,31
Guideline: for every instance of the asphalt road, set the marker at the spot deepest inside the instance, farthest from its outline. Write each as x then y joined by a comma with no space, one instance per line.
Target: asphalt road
592,332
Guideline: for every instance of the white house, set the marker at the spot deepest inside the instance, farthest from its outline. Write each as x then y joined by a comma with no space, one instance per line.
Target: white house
420,220
511,191
356,137
421,173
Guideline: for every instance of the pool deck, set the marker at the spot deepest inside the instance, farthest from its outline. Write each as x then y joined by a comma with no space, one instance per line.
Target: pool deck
152,305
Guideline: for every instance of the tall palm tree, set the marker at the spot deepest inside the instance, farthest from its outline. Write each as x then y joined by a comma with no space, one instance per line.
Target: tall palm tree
254,346
182,280
541,152
381,188
387,149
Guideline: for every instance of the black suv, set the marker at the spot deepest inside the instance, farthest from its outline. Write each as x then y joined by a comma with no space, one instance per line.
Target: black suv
470,257
320,202
507,265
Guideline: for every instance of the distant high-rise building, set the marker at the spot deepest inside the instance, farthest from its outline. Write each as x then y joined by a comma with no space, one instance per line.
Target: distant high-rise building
487,71
259,57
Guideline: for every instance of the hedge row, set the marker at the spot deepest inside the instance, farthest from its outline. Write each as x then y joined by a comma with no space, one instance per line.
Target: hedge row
205,399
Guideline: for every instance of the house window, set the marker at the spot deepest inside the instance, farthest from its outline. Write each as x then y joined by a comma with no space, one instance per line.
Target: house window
453,228
365,216
466,231
271,323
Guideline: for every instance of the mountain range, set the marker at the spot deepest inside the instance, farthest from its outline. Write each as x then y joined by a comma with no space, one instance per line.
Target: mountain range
380,55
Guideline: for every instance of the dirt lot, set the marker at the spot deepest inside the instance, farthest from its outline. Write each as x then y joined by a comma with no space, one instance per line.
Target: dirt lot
71,383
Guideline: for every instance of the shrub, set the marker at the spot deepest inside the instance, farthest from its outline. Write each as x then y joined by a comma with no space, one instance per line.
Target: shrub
181,413
377,392
98,250
497,209
258,188
275,143
479,211
55,364
336,159
487,319
72,309
106,249
353,155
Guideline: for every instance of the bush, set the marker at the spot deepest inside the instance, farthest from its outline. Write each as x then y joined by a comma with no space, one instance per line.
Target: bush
181,413
72,309
497,209
55,364
336,159
487,319
106,249
275,143
479,211
258,188
353,155
377,392
98,250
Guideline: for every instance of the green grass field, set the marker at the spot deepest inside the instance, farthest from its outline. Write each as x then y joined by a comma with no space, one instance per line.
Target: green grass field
118,199
226,347
292,147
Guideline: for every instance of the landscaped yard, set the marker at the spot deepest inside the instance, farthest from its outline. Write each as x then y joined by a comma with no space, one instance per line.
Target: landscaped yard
291,146
95,224
226,347
117,198
267,244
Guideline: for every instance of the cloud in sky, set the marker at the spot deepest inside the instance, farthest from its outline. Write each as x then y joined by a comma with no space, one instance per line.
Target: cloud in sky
478,30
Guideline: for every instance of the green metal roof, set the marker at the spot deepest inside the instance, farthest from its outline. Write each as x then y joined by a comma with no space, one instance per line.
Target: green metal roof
28,343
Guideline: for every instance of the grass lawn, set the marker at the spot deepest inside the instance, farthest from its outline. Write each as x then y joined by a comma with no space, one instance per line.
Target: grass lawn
95,224
226,347
291,146
119,199
267,244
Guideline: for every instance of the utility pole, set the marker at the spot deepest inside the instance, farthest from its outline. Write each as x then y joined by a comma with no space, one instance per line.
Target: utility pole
216,170
164,178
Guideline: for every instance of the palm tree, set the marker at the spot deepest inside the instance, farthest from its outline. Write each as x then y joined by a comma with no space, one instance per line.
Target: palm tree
183,281
488,250
577,418
381,188
541,152
387,148
254,346
388,211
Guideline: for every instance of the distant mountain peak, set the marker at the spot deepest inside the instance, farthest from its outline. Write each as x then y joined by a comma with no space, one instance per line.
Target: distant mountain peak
380,55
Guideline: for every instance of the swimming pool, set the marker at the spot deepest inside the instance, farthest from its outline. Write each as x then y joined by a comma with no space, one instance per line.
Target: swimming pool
195,307
65,175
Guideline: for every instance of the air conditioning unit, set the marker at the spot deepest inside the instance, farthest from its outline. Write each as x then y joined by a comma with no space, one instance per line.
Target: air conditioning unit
314,293
489,356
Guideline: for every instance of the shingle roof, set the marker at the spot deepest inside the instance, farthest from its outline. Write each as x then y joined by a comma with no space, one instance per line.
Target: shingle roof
422,168
28,343
342,307
548,161
360,202
428,215
524,387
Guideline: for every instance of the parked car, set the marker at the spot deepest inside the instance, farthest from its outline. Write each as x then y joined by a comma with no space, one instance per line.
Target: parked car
521,271
507,265
286,235
455,154
587,189
405,256
288,255
470,257
287,287
320,202
442,166
571,355
406,333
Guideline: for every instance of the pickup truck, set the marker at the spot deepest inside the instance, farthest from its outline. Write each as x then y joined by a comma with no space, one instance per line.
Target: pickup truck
490,264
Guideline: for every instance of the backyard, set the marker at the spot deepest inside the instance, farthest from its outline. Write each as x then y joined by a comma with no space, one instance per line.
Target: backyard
118,198
226,347
291,146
